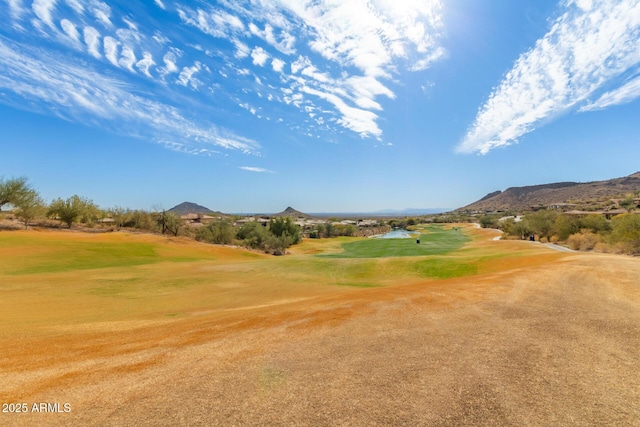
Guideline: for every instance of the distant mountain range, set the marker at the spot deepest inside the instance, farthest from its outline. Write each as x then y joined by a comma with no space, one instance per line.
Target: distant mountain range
194,208
559,193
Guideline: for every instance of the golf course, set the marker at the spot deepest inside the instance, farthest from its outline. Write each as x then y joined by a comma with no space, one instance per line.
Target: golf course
123,328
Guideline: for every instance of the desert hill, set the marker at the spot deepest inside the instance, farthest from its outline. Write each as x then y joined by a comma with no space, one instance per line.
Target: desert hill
293,213
189,207
575,194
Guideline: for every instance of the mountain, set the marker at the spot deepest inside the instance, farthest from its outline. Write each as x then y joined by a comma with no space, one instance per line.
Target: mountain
189,207
290,212
575,194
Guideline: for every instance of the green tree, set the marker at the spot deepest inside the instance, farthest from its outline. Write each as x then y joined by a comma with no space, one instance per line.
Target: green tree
170,222
542,222
628,203
253,235
626,232
512,228
219,232
12,189
566,225
285,227
596,223
29,205
489,221
119,216
71,209
328,229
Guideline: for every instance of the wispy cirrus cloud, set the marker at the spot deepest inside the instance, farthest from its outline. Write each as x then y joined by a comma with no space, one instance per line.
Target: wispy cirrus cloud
588,48
626,93
82,95
255,169
324,64
358,48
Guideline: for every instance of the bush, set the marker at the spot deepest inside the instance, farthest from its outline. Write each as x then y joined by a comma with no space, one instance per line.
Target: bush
595,223
626,232
583,241
589,241
574,241
218,232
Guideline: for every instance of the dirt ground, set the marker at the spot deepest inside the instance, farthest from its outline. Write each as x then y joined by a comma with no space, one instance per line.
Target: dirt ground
552,344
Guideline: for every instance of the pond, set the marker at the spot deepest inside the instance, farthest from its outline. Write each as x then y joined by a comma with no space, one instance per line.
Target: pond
398,234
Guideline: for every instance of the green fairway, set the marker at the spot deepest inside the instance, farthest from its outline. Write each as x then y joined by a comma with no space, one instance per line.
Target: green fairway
51,256
436,241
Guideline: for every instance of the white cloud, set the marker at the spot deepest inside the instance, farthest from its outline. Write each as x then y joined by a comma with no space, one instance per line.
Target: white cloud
76,6
146,63
102,12
161,38
92,39
70,30
111,49
588,47
170,58
216,23
360,121
186,77
284,42
278,65
255,169
242,50
79,94
16,9
259,56
626,93
132,25
43,10
160,4
128,58
365,41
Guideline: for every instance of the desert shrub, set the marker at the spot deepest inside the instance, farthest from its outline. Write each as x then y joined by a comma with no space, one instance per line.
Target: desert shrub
603,247
565,226
281,227
575,241
544,240
489,221
253,235
140,220
554,239
595,223
626,232
218,232
542,222
589,241
72,209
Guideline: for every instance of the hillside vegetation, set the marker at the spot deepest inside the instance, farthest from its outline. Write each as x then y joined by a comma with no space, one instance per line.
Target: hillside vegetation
588,195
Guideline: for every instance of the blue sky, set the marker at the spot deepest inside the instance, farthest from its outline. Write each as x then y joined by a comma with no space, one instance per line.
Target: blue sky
326,106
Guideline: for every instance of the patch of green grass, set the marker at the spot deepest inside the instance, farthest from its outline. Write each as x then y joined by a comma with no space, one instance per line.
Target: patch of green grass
87,256
444,268
70,254
437,241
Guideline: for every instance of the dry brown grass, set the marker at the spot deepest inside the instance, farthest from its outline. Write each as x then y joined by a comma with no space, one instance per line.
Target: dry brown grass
536,338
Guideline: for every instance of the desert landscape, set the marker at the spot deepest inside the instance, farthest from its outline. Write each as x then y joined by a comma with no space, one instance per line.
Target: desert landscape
137,329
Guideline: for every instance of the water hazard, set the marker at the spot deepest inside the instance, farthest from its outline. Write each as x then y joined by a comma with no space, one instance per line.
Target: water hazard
398,234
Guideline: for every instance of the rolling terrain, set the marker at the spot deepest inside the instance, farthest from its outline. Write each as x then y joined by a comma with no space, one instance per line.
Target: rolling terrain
524,198
144,330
